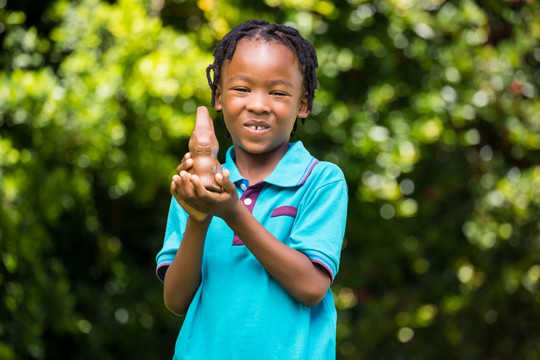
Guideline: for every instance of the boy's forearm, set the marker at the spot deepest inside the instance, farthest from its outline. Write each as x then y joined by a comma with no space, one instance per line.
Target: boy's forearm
305,281
183,276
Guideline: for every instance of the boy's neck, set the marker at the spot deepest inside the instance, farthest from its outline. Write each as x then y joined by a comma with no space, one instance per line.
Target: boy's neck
255,167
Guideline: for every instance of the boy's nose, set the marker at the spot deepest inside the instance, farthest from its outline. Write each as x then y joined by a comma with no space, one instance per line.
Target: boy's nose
258,103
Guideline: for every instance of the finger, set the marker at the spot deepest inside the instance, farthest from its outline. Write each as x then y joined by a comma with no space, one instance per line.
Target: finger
219,179
186,156
222,176
224,182
186,164
186,189
173,189
226,173
184,175
200,190
176,184
178,188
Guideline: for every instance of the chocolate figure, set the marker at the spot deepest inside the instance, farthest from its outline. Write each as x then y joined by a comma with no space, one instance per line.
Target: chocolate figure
204,147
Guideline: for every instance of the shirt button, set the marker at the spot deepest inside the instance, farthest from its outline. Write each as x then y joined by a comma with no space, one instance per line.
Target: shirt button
243,186
247,201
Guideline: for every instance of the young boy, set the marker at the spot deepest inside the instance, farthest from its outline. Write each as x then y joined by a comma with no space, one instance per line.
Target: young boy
253,277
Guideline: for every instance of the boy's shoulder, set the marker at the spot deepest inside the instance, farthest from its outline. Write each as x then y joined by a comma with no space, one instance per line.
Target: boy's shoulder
320,171
300,159
328,171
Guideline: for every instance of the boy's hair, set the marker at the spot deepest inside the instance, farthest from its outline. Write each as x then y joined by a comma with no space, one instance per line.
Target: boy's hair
262,29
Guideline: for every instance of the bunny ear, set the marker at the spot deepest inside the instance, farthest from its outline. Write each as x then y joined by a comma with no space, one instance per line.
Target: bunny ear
203,120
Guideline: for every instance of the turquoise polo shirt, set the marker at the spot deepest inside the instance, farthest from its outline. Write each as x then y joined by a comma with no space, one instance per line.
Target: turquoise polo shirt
240,311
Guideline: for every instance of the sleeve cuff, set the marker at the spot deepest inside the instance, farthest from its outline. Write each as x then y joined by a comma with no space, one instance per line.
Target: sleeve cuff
164,260
161,270
324,261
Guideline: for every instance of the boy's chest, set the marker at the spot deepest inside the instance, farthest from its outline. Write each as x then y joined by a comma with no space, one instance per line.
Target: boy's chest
277,211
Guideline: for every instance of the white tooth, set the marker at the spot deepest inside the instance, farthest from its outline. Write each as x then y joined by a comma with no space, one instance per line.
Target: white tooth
259,128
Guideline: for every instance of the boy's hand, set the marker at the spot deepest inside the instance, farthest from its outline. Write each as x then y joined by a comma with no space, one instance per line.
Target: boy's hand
178,188
221,204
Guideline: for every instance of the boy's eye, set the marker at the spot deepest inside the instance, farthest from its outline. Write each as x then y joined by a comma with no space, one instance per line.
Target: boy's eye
241,90
279,93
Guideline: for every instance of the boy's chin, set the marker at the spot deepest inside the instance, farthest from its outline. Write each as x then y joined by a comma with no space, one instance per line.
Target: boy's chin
260,149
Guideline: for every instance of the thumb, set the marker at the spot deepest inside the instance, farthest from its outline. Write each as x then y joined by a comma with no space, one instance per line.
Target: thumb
223,181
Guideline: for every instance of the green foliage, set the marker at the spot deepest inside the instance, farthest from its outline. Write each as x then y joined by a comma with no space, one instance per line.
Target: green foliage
430,107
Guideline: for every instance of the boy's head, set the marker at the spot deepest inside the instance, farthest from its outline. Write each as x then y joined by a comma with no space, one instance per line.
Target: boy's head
262,29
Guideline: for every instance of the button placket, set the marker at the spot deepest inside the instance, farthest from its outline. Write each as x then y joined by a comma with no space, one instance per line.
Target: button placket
249,198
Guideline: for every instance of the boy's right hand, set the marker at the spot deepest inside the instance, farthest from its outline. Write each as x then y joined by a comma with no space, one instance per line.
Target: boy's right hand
178,182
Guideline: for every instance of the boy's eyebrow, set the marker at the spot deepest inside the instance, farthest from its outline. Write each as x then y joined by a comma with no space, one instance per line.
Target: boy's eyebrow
281,82
273,82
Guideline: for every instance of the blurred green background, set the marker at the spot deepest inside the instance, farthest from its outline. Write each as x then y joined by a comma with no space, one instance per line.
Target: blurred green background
430,107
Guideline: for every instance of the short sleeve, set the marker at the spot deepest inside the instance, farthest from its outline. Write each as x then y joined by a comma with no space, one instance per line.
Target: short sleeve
321,218
176,223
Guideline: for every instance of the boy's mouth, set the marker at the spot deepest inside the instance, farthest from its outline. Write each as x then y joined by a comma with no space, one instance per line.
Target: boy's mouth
253,127
257,125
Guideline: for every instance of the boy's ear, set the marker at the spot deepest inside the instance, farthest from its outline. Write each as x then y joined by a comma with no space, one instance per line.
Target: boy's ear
303,111
217,99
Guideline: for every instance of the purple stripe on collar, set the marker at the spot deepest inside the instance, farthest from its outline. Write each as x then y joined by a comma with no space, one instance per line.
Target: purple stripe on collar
310,168
285,210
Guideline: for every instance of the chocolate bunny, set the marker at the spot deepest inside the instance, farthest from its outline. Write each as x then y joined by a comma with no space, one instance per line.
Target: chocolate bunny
204,147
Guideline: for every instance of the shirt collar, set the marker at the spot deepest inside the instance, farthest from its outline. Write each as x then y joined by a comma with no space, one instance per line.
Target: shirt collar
292,170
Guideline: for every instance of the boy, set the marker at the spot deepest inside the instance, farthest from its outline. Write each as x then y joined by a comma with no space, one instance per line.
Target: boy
253,277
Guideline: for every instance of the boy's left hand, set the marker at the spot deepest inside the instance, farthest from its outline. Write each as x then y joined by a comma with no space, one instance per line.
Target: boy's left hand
212,203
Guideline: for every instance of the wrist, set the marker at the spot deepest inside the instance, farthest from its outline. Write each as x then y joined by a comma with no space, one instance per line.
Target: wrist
236,214
197,221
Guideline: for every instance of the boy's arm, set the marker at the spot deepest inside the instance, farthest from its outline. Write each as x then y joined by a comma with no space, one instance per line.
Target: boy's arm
299,276
183,276
306,281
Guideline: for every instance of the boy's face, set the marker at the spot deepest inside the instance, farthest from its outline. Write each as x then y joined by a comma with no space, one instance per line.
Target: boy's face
261,94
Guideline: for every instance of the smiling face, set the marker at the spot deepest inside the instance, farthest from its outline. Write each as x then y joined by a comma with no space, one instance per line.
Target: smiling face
261,95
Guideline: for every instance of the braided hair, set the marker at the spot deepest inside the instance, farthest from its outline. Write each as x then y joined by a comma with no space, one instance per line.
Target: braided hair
262,29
